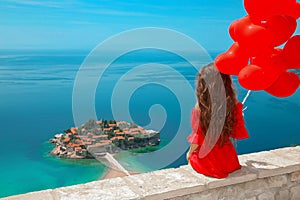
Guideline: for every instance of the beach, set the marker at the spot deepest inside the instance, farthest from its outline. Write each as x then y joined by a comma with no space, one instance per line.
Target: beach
113,173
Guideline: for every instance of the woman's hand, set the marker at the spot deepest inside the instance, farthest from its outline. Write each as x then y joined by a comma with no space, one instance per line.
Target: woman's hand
188,156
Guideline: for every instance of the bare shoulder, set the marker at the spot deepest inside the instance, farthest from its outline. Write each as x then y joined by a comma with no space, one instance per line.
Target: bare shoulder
196,106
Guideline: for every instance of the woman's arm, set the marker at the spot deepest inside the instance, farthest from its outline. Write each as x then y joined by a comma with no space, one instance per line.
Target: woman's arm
193,147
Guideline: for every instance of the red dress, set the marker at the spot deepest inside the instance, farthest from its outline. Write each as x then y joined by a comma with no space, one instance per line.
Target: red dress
222,159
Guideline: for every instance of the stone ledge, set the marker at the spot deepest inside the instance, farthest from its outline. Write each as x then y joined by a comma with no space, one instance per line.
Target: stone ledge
115,188
40,195
274,162
170,183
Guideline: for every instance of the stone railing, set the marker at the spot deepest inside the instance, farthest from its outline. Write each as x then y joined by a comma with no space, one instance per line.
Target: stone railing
265,175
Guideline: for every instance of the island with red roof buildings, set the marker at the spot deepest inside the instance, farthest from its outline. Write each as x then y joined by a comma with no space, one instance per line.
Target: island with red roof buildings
96,138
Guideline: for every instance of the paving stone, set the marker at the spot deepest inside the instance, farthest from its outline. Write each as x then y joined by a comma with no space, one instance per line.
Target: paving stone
108,189
295,176
239,176
277,181
295,193
164,184
266,196
284,194
269,164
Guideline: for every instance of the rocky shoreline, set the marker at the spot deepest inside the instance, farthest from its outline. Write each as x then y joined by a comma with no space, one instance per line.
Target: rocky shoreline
96,138
61,150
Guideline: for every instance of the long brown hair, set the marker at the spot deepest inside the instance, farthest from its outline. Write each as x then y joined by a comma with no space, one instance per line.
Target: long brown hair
209,72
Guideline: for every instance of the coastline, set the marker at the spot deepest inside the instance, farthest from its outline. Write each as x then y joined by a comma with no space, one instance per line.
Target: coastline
101,137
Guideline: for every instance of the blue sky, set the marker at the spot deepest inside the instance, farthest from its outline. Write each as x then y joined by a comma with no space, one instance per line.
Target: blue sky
78,24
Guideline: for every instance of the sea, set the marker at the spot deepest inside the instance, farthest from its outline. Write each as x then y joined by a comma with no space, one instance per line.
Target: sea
37,101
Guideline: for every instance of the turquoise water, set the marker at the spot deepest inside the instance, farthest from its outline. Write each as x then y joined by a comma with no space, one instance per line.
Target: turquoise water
36,103
23,174
130,158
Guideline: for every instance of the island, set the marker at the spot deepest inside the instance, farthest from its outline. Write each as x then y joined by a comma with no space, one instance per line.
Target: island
96,138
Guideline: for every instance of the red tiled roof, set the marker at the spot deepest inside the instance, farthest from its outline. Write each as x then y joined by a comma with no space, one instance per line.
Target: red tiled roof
69,145
74,130
78,141
67,140
73,145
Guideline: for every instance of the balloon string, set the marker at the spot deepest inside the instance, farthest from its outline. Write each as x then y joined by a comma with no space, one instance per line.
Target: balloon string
245,99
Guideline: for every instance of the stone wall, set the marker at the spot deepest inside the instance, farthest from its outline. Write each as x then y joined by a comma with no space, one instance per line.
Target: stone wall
265,175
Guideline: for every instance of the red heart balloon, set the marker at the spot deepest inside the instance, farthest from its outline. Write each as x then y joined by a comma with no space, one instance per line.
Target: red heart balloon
282,28
282,7
232,29
254,39
232,61
271,60
295,12
257,9
285,85
291,52
262,9
238,24
254,77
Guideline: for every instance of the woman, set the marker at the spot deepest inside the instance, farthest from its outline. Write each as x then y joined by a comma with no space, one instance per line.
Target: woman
221,158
